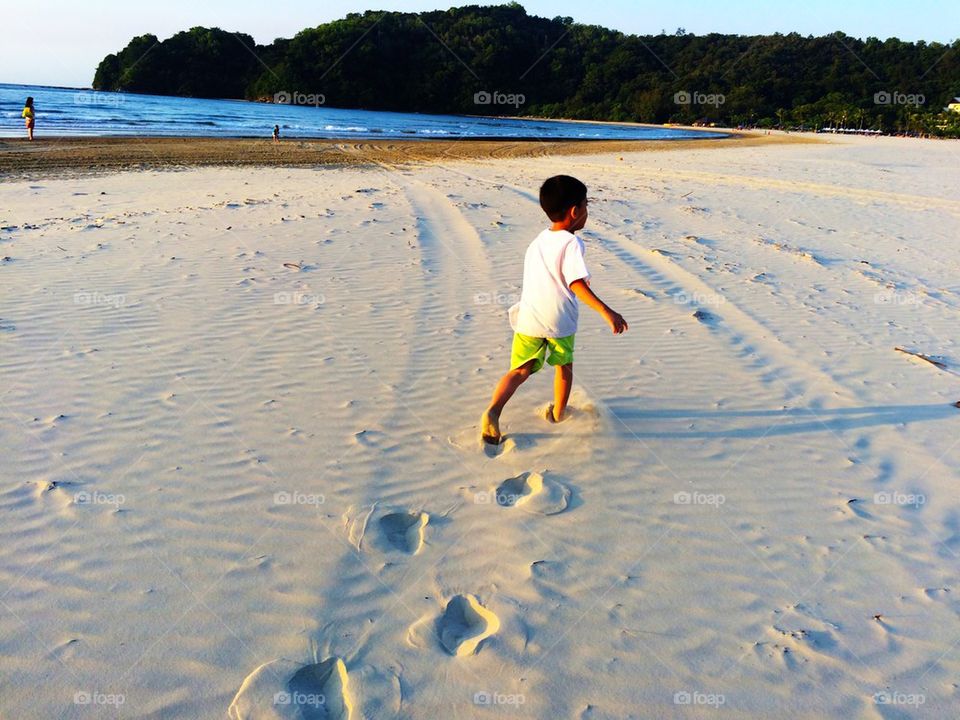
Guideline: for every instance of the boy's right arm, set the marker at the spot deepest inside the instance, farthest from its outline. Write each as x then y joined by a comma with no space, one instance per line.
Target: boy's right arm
588,297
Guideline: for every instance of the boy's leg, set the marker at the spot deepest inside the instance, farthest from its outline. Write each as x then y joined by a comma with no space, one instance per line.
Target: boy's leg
561,357
502,393
562,382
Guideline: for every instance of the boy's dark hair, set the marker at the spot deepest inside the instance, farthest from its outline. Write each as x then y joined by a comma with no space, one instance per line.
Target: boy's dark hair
560,193
29,102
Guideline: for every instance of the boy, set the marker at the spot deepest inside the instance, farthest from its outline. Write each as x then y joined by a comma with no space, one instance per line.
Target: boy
554,277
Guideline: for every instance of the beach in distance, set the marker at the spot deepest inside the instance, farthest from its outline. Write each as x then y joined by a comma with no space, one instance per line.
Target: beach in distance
243,476
84,155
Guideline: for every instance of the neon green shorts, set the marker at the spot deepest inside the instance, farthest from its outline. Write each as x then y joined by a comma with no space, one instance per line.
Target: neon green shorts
526,348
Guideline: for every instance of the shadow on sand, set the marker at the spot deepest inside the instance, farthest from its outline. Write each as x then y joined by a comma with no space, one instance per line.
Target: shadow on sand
673,423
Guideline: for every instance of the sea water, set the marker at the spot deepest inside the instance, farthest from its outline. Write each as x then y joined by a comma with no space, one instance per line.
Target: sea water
66,111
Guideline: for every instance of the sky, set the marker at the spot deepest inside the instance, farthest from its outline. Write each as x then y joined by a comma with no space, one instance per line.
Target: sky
60,42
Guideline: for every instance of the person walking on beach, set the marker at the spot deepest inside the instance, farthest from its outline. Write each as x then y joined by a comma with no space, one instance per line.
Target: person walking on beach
555,276
276,133
29,115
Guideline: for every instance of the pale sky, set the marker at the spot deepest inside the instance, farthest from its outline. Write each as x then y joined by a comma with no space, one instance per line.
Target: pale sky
60,42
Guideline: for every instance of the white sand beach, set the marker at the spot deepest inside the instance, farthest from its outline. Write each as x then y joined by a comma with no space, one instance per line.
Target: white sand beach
242,475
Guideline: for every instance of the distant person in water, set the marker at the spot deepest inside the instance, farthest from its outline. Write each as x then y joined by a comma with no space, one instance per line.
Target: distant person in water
276,133
555,277
30,116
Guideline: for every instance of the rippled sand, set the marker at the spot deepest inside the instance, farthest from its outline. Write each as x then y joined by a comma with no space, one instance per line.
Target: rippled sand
242,473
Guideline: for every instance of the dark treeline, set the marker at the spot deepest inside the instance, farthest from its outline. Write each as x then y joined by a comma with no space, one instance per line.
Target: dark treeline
439,61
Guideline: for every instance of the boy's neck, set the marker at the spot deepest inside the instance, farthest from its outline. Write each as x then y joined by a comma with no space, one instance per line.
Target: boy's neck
558,226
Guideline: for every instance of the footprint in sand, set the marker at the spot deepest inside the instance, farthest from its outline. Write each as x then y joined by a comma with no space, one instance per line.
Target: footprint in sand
283,690
509,444
404,530
468,440
533,493
464,625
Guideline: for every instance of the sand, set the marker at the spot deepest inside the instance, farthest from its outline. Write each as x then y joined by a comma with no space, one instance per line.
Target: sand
52,156
242,473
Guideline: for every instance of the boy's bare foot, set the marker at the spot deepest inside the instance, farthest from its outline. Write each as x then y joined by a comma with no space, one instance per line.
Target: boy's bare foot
549,416
490,427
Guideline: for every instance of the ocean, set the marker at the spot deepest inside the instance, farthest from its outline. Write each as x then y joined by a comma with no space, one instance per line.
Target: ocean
78,112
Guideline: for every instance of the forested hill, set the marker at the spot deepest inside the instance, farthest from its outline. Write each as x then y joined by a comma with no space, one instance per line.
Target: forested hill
500,60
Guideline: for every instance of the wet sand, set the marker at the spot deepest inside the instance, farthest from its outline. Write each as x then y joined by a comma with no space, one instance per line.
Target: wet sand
19,158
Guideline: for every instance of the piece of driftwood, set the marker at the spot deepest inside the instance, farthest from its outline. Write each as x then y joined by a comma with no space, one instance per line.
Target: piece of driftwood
925,358
293,266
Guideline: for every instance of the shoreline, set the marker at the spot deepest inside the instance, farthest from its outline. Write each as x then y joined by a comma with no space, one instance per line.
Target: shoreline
85,155
619,123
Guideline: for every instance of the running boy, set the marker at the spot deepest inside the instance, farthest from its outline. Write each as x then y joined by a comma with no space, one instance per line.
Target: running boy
554,277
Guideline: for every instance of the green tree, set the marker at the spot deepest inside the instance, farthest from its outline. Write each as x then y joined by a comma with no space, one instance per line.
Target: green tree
438,61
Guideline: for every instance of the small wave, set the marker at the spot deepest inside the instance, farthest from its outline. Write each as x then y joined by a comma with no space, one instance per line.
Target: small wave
346,128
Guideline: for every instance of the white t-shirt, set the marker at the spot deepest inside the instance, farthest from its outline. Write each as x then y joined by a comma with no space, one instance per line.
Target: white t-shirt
547,307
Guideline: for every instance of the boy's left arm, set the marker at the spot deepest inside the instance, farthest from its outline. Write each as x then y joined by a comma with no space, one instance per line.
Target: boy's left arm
615,320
